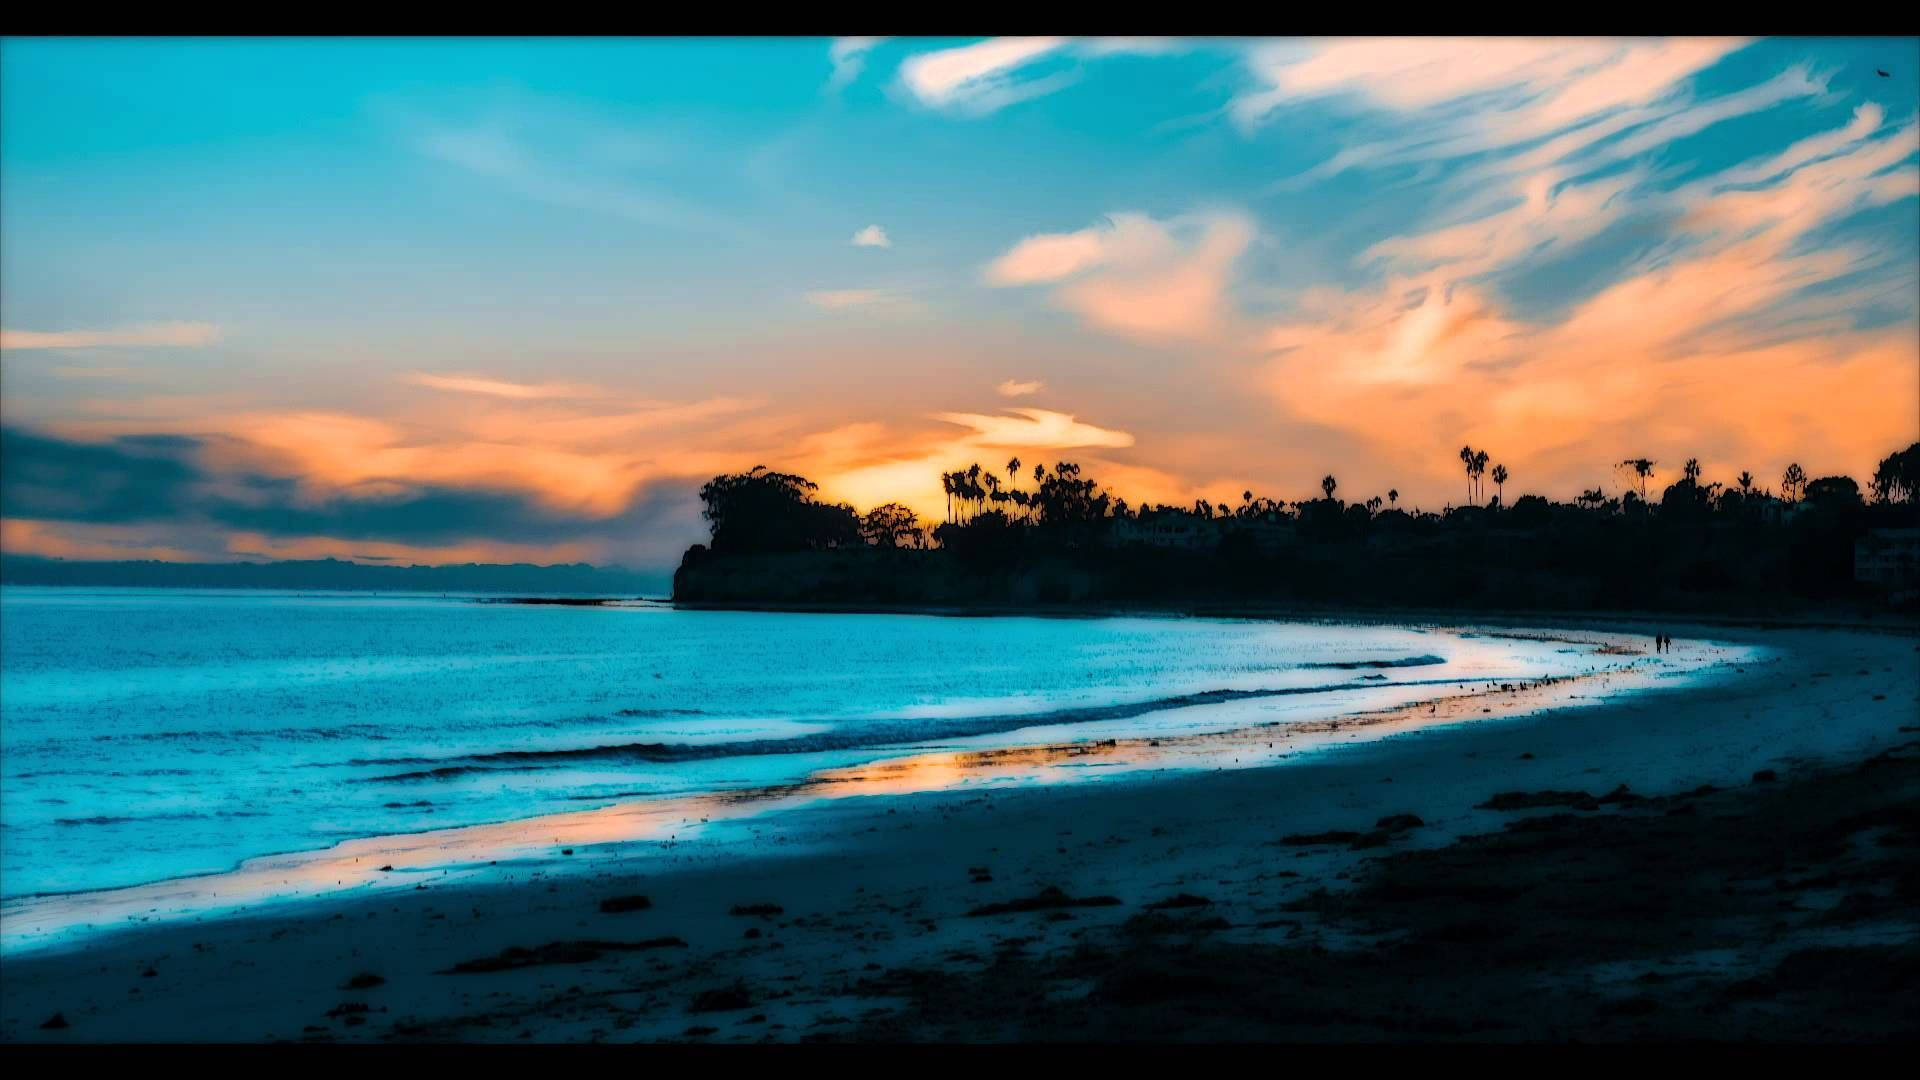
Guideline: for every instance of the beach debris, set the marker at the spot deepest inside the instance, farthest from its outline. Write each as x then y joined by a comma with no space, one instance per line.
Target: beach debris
1529,800
1332,836
615,905
55,1022
366,980
1051,898
1620,796
762,910
556,952
722,999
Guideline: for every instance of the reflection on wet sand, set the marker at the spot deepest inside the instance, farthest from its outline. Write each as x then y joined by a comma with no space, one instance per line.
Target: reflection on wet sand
632,830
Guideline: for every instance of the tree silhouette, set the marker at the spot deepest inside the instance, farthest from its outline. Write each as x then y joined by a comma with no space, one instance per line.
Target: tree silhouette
1327,484
1393,496
1793,482
1745,480
1500,482
1643,469
1897,480
888,524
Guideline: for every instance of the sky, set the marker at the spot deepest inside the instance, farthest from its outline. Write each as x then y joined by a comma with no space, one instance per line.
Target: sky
434,301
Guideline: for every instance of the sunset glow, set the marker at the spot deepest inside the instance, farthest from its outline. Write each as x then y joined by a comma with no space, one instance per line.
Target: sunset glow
516,300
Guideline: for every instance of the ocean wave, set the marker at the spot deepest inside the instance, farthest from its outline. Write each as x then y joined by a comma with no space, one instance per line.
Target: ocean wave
1404,661
131,819
871,735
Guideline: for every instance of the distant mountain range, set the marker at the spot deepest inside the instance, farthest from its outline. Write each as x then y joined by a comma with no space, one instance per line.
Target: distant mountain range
525,578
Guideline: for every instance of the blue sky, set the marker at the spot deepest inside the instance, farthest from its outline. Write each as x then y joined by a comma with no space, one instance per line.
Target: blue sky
566,281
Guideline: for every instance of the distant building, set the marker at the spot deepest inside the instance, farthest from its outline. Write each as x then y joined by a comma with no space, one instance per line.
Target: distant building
1778,511
1268,536
1889,559
1182,531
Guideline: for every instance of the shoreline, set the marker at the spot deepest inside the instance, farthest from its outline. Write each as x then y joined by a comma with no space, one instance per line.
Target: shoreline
301,875
858,887
1595,620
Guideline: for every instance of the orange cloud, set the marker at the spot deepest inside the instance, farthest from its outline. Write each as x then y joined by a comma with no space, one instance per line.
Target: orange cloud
174,335
1134,276
474,384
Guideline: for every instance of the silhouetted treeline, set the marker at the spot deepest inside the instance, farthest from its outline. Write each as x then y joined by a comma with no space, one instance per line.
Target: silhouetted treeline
1057,537
329,574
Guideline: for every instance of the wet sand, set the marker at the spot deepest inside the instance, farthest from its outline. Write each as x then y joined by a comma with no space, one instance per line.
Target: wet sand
1294,896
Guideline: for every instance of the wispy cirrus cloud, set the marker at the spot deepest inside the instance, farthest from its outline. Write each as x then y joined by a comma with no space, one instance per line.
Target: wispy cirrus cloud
1687,351
563,155
984,77
476,384
180,335
1489,91
987,76
1018,388
849,299
849,57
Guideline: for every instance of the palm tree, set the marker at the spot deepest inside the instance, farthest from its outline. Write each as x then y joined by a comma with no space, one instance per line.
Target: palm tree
1013,471
1466,455
1393,496
1793,482
1500,483
946,485
1745,480
1327,484
1479,470
1642,468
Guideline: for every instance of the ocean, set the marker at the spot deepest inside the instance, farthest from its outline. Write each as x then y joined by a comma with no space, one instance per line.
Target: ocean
154,734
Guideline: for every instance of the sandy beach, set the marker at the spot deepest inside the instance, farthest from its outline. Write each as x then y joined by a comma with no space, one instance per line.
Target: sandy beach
1296,891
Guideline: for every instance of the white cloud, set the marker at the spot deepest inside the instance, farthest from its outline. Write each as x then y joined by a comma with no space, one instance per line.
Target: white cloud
981,78
1016,388
872,236
172,335
849,56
